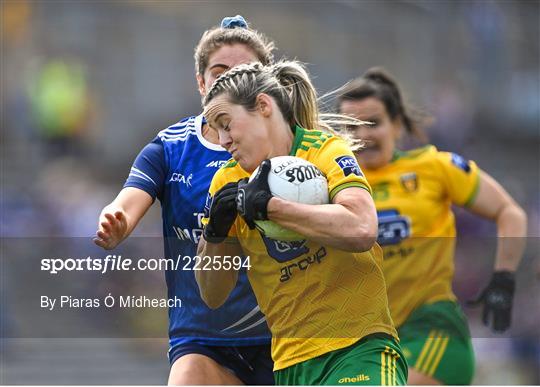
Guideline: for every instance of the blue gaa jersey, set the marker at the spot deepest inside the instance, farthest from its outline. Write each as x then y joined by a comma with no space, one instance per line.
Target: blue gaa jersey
177,168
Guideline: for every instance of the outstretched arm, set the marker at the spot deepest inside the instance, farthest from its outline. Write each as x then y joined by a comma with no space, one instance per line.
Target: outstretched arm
494,203
144,184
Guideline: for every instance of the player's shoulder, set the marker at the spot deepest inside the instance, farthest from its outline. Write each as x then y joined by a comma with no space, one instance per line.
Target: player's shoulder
311,139
179,131
313,144
315,136
455,161
429,158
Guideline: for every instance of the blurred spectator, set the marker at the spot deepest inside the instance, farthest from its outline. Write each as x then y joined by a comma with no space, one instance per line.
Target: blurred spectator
60,102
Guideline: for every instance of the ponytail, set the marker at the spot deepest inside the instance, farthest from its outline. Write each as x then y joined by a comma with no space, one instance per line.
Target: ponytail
302,97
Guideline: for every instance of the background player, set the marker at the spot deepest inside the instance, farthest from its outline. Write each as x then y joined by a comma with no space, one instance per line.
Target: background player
229,345
413,192
324,298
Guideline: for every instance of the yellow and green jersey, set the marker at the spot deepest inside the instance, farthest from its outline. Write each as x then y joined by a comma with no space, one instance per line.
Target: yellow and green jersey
316,298
413,195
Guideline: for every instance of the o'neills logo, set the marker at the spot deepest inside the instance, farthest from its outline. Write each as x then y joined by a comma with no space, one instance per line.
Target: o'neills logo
357,378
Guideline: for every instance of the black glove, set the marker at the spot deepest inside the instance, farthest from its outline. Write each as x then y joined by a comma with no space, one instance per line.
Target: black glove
253,196
222,213
497,299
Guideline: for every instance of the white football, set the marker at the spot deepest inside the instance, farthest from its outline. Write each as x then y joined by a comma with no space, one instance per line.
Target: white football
297,180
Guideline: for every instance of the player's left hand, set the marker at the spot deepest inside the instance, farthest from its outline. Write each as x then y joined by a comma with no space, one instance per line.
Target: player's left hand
222,214
497,299
253,196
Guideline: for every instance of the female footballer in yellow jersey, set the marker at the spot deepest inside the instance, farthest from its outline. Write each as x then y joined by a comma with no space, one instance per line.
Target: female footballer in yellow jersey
324,298
413,193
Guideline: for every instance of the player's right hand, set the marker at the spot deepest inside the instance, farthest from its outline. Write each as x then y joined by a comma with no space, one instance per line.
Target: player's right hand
222,213
112,229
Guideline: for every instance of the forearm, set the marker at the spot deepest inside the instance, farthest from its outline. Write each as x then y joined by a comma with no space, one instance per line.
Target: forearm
216,285
329,224
511,232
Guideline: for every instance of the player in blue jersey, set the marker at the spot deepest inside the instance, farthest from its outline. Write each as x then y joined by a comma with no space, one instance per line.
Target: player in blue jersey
230,345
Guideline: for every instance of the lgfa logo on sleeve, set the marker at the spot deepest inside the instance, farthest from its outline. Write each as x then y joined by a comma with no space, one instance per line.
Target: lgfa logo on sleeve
349,165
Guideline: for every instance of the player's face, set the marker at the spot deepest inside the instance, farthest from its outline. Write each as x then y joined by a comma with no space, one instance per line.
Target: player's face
244,134
380,138
222,60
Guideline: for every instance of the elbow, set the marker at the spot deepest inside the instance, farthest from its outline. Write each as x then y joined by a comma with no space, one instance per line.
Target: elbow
513,217
365,243
521,218
367,234
363,229
521,214
361,240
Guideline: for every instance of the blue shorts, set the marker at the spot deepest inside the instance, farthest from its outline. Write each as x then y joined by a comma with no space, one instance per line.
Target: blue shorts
253,364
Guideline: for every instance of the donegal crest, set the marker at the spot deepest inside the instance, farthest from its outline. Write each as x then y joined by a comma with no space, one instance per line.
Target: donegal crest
409,181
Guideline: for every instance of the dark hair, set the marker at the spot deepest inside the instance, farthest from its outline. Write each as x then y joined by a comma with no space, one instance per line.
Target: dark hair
217,37
377,83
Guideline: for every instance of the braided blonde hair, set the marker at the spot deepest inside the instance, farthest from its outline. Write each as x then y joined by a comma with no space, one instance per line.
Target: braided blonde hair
289,84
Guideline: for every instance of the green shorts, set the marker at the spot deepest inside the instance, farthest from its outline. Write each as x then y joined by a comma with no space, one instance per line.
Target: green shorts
375,360
436,342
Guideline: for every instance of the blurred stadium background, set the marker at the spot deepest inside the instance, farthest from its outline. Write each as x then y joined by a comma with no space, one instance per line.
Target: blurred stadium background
86,84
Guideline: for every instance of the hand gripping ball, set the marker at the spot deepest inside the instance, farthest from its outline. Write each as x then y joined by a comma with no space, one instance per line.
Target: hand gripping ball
296,180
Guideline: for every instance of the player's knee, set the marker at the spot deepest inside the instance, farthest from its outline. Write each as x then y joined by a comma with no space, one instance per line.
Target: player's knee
196,369
190,369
